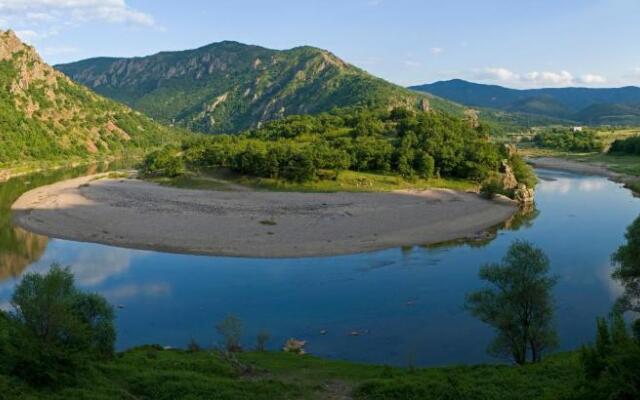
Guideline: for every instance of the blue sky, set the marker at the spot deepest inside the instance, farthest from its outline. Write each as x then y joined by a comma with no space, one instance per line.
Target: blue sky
521,43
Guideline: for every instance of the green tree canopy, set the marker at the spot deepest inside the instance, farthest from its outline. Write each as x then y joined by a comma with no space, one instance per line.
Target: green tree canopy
55,328
518,305
627,272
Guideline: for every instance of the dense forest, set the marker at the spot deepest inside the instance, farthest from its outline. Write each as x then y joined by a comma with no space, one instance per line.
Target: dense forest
630,145
302,148
568,140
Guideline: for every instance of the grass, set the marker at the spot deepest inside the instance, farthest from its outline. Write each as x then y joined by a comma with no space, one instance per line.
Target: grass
346,181
152,373
191,182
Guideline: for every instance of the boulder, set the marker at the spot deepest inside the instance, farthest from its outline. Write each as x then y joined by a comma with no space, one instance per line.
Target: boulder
509,180
294,346
523,194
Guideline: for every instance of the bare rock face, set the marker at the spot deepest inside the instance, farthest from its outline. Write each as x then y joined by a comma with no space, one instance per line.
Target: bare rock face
295,346
60,114
511,149
509,180
9,44
425,105
523,194
472,116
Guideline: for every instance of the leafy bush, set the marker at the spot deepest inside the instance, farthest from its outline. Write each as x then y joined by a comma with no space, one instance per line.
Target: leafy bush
523,172
492,187
164,162
611,366
230,329
630,145
55,329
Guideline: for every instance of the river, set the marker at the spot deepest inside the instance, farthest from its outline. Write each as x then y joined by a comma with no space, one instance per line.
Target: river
401,306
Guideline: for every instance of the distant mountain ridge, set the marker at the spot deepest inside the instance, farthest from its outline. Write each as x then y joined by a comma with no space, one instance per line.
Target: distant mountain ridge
45,115
583,105
230,86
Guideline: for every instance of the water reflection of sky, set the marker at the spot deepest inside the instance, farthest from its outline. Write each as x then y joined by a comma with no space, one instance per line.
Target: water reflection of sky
406,305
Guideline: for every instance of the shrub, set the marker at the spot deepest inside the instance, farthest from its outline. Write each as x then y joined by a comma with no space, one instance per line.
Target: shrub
492,187
164,162
261,340
230,329
55,329
523,172
611,366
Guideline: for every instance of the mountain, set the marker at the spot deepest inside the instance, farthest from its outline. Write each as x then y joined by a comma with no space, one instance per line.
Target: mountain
584,105
45,115
229,86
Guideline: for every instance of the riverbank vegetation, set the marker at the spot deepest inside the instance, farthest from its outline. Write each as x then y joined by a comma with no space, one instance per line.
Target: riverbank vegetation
568,140
414,146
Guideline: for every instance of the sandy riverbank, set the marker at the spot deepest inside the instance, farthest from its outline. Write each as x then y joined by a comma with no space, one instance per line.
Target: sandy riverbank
562,164
136,214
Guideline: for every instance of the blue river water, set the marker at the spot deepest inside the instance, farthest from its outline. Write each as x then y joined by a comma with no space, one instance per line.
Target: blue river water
398,306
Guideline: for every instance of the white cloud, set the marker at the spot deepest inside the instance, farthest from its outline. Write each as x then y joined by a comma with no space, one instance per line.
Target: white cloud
436,51
562,78
591,79
133,290
412,64
35,16
59,50
497,74
30,35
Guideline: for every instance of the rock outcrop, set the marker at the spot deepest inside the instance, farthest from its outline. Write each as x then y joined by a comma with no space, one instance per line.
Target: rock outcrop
294,346
45,113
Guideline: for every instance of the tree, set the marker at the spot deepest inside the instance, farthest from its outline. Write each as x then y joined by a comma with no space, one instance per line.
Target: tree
56,329
261,340
627,272
611,366
519,304
230,329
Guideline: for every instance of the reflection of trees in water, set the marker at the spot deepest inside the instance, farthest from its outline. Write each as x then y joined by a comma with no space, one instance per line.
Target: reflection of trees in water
522,219
28,248
18,247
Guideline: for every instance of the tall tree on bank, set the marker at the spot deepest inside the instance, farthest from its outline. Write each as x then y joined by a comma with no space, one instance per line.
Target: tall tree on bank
627,272
518,304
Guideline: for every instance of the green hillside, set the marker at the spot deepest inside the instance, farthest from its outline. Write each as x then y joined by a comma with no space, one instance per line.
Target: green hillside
45,116
230,87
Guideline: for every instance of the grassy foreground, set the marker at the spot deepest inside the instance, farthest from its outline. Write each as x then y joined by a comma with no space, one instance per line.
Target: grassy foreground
152,373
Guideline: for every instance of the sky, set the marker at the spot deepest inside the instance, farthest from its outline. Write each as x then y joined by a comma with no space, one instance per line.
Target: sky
521,44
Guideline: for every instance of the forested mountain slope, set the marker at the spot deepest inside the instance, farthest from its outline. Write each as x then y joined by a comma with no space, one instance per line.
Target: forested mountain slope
229,86
45,115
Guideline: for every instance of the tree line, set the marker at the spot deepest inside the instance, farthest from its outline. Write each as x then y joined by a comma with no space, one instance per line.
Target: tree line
302,148
568,140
